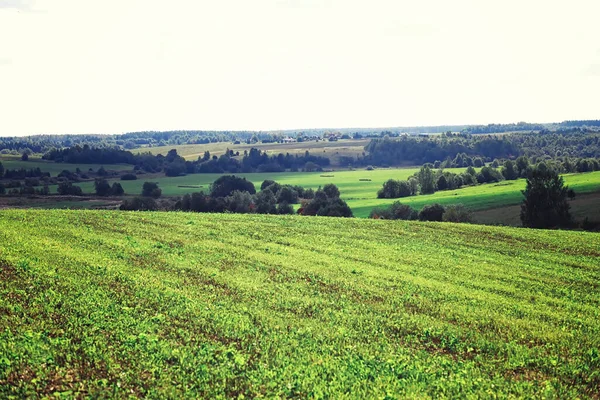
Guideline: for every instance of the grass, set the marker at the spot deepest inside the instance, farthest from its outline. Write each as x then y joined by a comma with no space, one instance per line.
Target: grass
114,304
361,194
583,206
13,162
349,182
480,197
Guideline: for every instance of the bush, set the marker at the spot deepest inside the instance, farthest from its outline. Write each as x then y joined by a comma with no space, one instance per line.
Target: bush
395,211
284,208
227,184
117,189
287,195
456,213
433,212
151,189
68,189
102,187
139,204
393,189
128,177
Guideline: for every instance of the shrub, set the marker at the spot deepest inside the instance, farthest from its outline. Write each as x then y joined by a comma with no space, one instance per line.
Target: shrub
433,212
102,187
68,189
456,213
139,204
151,189
117,189
128,177
227,184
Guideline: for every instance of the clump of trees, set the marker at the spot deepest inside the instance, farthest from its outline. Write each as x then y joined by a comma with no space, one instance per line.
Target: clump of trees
428,181
103,188
229,193
68,189
433,212
151,189
326,203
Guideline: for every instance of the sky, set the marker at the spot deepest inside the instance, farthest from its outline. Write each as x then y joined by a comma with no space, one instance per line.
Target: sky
117,66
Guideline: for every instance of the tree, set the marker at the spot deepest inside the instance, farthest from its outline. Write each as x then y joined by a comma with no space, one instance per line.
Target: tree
456,213
326,203
331,191
425,177
522,163
139,204
442,183
1,170
433,212
227,184
68,189
266,183
117,189
151,189
102,187
545,204
266,202
287,195
25,157
508,171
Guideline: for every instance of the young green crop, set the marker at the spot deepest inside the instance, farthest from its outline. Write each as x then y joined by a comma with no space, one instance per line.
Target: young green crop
115,304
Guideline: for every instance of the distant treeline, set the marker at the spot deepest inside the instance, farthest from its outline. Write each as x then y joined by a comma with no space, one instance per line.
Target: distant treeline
172,164
43,143
420,150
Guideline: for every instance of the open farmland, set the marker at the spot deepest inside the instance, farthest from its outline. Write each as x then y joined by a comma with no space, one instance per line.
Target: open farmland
333,150
107,304
359,188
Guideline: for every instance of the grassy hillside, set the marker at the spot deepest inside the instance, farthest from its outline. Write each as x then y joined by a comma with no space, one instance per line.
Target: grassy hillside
359,188
113,304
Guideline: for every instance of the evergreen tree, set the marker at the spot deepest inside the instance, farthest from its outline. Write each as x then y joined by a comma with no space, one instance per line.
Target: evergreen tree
545,204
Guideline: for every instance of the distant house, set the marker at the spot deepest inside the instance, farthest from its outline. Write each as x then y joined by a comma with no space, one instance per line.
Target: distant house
288,140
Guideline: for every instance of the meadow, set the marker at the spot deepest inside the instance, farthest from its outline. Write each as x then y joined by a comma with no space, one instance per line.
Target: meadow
359,187
117,304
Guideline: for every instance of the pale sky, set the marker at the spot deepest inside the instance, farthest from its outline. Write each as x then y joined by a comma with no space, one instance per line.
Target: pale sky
117,66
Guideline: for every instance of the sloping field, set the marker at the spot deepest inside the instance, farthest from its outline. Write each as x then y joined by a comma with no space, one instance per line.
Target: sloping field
359,188
114,304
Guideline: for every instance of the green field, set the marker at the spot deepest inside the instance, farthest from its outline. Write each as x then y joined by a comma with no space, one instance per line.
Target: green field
12,162
362,195
349,182
172,305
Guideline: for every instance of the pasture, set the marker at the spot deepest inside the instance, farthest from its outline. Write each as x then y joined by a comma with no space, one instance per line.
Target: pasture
359,187
106,304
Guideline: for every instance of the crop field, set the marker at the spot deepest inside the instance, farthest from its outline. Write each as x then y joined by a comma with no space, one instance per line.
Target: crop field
333,150
117,304
11,162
